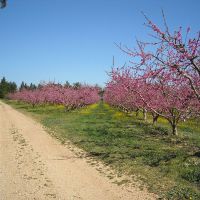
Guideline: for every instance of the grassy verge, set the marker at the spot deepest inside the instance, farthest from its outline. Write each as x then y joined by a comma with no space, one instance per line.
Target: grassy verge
169,165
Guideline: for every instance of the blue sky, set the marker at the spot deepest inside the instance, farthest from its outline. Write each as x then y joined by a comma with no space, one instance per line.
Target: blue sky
73,40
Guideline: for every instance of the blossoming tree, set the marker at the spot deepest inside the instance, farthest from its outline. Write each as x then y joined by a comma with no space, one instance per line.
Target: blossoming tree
165,81
174,53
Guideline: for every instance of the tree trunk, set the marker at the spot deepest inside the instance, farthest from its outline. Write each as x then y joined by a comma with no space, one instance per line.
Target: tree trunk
173,124
155,118
66,108
174,129
145,114
137,113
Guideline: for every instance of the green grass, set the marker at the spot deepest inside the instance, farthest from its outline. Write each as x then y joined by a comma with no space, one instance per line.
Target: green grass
169,165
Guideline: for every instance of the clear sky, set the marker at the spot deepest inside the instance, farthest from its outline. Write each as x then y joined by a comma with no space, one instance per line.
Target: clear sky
73,40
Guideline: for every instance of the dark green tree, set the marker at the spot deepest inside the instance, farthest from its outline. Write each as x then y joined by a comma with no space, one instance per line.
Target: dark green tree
67,84
6,87
3,87
12,87
24,86
77,85
3,3
32,86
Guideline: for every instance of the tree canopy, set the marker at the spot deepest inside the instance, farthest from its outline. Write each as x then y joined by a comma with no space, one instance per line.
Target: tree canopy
3,3
6,87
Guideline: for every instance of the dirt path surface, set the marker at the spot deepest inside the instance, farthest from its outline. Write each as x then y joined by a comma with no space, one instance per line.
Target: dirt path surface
33,165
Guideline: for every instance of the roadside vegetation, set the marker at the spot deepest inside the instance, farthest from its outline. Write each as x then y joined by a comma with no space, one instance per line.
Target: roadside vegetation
168,164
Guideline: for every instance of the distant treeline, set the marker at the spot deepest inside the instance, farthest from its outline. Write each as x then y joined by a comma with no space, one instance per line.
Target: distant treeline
7,87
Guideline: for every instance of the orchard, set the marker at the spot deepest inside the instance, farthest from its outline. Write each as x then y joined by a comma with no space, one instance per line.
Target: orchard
144,123
56,94
166,81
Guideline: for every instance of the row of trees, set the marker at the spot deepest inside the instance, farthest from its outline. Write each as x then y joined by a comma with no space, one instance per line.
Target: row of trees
6,87
32,86
10,87
70,97
165,81
162,96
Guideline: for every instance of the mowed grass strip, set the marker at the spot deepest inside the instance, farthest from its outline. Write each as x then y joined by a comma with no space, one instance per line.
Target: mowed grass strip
169,165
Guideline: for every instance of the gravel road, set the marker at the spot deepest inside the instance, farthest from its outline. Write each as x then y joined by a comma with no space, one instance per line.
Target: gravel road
34,165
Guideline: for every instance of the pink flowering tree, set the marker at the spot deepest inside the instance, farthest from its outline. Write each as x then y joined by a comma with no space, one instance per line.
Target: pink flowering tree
170,98
164,95
172,52
50,93
166,80
120,92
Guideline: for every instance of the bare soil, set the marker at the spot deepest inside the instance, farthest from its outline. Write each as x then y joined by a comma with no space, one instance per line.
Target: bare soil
34,165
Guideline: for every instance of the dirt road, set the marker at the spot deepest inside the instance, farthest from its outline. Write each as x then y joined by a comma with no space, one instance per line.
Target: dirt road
33,165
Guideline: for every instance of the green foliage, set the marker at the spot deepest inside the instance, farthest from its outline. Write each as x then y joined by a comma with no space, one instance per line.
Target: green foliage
67,84
192,174
77,85
6,87
153,158
155,130
3,3
26,86
182,193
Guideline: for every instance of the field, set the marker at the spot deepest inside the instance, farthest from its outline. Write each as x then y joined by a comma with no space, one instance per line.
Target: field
168,165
